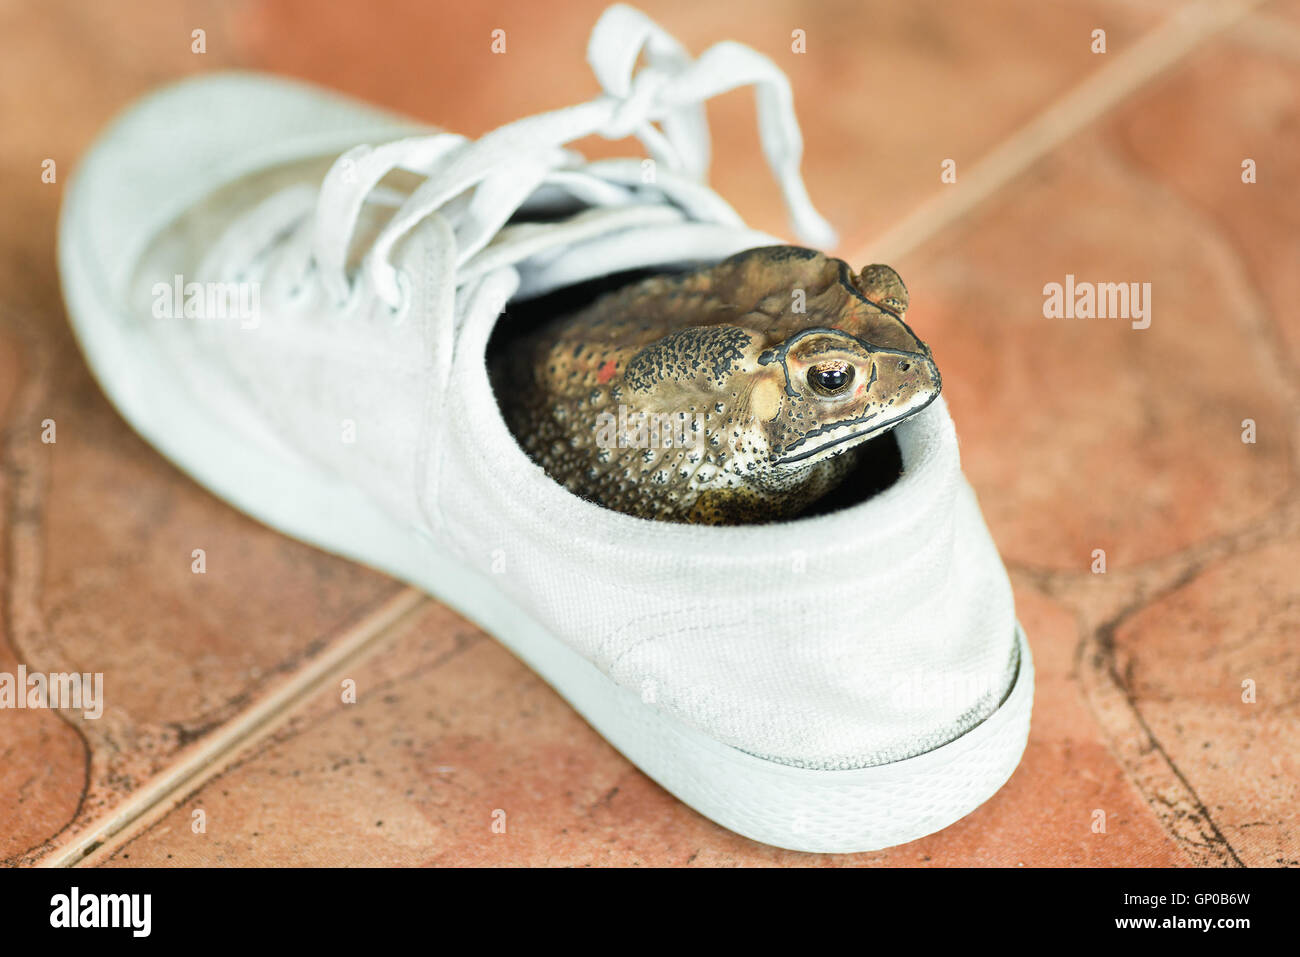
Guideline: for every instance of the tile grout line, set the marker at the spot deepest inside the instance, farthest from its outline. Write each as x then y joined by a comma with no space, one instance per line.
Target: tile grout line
209,756
1153,54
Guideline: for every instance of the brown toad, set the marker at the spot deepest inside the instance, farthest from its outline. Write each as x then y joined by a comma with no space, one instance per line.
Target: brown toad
741,392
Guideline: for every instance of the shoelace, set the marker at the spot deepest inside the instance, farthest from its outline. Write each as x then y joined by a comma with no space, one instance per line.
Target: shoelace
476,186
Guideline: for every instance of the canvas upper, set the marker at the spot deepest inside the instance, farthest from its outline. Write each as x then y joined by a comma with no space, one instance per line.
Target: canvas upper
384,253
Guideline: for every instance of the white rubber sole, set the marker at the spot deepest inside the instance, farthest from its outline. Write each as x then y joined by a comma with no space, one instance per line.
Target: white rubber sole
807,810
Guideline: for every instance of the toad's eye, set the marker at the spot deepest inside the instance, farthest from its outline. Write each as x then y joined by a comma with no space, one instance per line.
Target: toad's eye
830,378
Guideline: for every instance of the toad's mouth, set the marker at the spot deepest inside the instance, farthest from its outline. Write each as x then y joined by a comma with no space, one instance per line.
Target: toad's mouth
870,425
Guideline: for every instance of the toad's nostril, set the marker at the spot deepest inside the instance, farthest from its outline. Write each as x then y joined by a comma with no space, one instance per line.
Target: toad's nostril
904,366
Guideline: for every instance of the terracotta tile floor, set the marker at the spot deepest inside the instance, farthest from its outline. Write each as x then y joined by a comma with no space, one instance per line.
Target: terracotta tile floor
1078,435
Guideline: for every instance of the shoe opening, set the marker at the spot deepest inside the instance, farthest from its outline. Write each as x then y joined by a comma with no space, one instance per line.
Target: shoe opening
879,462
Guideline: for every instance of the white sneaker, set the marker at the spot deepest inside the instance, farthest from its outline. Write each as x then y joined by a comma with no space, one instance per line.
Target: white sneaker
842,682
